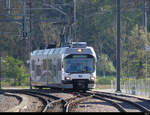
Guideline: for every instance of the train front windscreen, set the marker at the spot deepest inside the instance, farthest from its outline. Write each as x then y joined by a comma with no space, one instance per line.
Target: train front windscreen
79,64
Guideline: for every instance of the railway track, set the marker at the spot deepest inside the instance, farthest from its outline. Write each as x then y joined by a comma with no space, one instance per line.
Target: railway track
19,98
72,103
53,103
10,102
87,96
50,103
123,103
139,101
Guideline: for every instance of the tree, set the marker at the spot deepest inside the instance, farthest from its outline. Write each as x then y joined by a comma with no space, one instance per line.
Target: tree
105,65
15,69
133,53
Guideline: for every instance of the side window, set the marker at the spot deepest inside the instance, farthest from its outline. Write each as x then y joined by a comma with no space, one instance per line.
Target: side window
44,64
59,64
49,64
33,65
38,70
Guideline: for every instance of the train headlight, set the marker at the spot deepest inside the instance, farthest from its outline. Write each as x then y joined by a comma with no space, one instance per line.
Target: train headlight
80,50
93,78
67,78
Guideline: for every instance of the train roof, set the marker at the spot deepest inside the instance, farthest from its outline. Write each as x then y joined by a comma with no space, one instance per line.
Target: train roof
49,51
72,49
64,50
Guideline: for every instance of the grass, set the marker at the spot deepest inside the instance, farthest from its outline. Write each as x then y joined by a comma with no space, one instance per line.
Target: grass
98,86
16,87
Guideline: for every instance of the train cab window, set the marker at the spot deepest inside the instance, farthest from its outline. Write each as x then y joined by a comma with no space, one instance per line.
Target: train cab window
79,64
33,65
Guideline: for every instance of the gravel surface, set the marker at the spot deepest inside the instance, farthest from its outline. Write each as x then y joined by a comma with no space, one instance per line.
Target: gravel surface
95,105
127,106
63,95
29,104
7,102
145,103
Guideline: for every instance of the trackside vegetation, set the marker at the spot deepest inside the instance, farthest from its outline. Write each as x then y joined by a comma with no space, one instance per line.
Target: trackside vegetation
14,72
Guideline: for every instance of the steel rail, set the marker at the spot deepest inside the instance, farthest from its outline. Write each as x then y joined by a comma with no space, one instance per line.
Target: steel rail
118,106
47,104
142,108
44,101
16,96
69,105
124,95
75,101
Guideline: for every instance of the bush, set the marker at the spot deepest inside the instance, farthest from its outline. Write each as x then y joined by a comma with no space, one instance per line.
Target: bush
15,71
104,81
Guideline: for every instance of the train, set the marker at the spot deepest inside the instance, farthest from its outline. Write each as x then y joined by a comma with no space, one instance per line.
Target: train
69,67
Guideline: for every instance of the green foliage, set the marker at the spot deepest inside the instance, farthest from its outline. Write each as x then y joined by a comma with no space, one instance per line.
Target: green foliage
15,69
105,81
105,65
133,55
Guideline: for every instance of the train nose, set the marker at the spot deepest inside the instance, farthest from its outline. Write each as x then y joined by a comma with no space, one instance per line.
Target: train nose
80,84
80,76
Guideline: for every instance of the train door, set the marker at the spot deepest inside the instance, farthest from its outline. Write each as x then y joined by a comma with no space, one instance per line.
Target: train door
59,72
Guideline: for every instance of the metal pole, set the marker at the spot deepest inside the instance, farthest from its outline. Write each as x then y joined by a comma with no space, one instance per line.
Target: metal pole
30,39
24,21
30,43
118,46
144,16
75,11
0,72
144,21
9,6
75,18
146,64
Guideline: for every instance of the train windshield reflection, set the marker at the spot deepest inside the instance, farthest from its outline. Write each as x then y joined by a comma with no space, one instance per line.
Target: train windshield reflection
79,65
